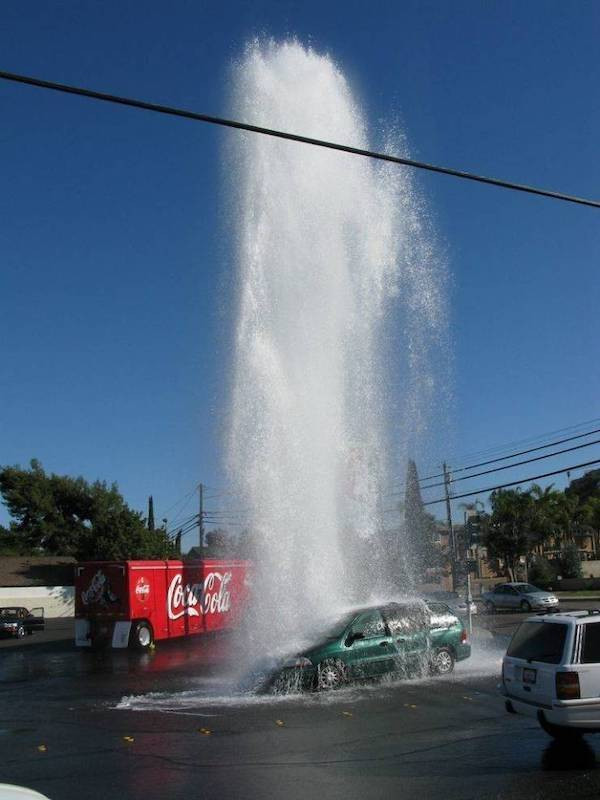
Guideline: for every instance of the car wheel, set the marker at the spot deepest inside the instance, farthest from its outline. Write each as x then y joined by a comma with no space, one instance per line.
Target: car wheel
525,606
442,662
141,636
330,675
559,731
490,608
20,632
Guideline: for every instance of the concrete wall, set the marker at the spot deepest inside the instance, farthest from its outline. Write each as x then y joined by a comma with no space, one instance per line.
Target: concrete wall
590,569
57,601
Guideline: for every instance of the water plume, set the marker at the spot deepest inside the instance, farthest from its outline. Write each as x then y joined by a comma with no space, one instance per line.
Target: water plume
326,245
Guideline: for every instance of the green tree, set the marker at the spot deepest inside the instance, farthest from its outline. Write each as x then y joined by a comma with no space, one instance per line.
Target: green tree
547,516
507,529
591,515
541,572
570,562
60,515
420,528
586,487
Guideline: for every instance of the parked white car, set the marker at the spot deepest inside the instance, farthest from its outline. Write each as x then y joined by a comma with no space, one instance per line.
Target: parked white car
551,671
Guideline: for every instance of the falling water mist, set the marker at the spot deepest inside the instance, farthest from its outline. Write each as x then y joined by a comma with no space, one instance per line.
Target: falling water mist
332,261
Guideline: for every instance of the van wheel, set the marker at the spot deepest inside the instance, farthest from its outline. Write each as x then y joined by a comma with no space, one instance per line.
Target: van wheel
443,662
330,675
559,732
141,636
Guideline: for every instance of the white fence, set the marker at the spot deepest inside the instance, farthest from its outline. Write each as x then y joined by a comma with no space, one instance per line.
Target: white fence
57,601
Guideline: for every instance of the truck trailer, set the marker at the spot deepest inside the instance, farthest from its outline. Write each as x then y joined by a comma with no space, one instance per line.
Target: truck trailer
135,603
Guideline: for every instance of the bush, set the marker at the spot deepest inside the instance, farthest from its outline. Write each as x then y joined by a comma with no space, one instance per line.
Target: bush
570,563
541,572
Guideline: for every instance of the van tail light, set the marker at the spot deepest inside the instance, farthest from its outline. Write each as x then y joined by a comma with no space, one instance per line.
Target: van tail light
463,636
567,686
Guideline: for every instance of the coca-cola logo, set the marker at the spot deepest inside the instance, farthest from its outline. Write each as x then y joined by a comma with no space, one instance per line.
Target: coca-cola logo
99,591
142,589
209,597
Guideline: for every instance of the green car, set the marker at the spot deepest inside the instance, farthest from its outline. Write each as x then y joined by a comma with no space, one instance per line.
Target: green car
403,639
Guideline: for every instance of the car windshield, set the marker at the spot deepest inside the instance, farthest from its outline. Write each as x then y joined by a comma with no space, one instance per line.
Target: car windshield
539,641
527,588
8,612
333,630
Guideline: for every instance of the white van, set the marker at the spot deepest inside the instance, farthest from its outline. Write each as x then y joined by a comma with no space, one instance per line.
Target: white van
551,671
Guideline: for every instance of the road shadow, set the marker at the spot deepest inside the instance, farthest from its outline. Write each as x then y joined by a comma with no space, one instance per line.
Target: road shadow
561,756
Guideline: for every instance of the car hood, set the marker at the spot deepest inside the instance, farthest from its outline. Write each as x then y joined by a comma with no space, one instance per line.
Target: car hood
325,648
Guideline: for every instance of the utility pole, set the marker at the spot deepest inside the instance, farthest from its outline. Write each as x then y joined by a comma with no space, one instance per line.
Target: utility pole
201,518
451,538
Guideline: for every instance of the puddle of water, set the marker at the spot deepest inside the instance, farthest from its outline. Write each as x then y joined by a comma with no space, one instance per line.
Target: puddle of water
212,695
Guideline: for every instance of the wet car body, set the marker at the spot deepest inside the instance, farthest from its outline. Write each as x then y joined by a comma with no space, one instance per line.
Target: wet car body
402,639
18,621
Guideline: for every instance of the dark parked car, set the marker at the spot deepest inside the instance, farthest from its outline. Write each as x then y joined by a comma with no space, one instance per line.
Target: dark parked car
18,621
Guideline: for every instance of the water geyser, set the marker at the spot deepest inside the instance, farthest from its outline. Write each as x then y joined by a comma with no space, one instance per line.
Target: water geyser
326,244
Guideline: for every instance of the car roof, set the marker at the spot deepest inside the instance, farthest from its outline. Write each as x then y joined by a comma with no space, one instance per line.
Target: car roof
579,617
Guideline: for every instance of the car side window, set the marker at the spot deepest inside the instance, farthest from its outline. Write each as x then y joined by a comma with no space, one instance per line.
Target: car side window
591,644
499,590
370,624
406,619
440,615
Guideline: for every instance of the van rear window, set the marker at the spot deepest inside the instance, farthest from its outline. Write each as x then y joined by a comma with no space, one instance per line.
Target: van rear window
591,644
539,641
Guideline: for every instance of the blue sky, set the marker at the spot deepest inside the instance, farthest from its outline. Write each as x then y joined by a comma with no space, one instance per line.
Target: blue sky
114,259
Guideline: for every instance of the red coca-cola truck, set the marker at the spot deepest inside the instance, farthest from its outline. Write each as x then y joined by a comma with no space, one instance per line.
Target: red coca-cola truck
134,603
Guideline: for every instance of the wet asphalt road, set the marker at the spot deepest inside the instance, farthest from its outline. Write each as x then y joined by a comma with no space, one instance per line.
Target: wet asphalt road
165,725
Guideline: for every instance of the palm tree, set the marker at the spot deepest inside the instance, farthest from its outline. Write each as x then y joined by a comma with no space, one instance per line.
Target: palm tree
546,517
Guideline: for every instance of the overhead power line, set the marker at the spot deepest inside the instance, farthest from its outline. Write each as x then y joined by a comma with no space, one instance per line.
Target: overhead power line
516,464
500,458
512,483
492,452
523,452
228,123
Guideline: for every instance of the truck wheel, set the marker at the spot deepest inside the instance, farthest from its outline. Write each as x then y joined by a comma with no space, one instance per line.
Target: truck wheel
141,636
20,632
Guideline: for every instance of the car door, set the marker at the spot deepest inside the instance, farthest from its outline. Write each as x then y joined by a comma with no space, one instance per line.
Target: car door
370,646
500,596
409,626
512,597
35,619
